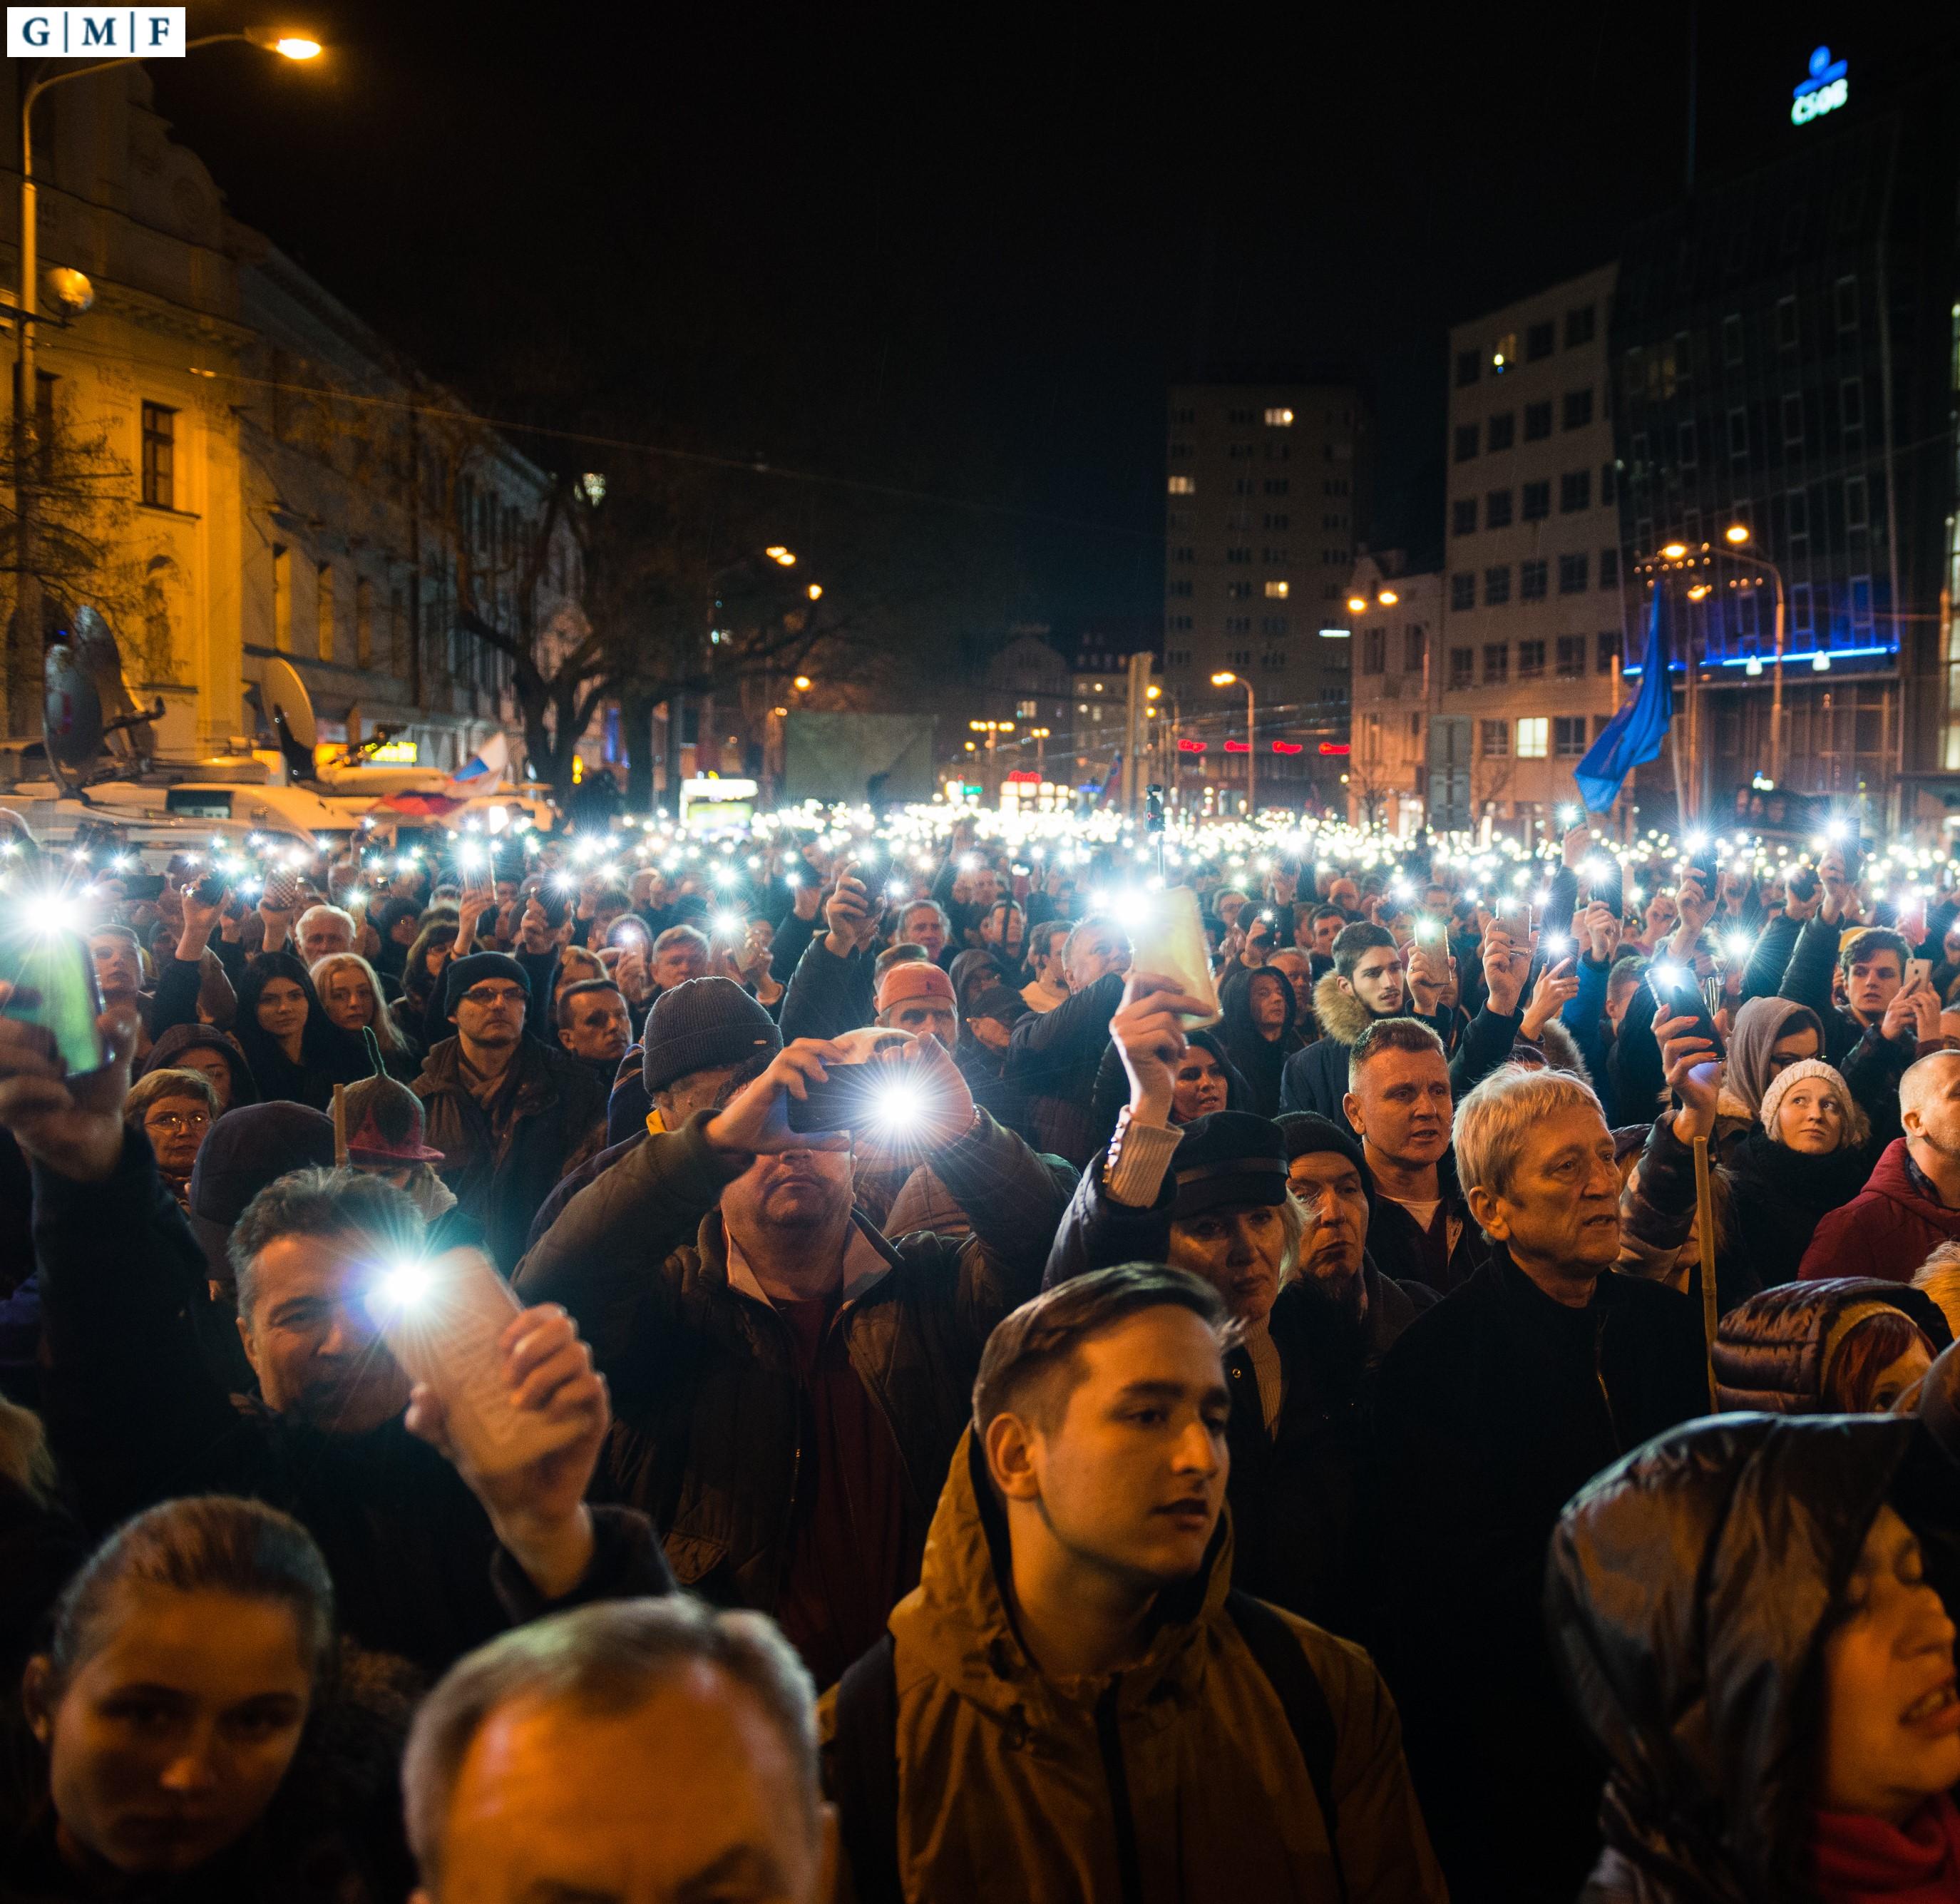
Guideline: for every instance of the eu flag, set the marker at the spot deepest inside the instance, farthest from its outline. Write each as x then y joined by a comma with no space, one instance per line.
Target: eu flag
1634,736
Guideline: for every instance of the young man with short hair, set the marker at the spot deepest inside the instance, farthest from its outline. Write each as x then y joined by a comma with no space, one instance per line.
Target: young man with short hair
595,1027
508,1112
1492,1410
1075,1695
1367,982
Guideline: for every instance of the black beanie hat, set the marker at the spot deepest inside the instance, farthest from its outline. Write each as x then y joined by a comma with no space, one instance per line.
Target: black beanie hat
1307,1134
245,1149
463,974
1231,1157
701,1025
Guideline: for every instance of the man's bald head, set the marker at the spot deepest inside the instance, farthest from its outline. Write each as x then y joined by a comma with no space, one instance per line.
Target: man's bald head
1929,1103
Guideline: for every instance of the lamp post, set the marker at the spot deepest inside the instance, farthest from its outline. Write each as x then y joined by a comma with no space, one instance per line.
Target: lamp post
993,730
1040,734
288,45
1734,536
1226,678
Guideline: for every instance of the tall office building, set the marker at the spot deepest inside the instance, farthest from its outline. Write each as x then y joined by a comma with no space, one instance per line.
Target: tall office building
1266,486
1784,348
1530,614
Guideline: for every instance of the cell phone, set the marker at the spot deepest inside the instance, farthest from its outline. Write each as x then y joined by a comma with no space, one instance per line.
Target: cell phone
1169,941
555,906
1611,890
851,1097
441,1319
1677,993
211,888
1802,886
1918,970
53,975
141,885
629,931
282,892
1853,851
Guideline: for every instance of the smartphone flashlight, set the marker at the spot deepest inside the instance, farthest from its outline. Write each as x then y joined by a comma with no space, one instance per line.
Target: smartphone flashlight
727,924
403,1285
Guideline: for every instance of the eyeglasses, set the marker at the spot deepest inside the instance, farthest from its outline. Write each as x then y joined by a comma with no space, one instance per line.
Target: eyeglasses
486,996
171,1120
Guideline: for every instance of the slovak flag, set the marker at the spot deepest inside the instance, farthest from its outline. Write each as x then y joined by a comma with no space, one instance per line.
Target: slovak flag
486,767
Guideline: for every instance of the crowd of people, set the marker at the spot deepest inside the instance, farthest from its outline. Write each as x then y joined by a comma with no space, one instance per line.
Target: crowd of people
1446,1393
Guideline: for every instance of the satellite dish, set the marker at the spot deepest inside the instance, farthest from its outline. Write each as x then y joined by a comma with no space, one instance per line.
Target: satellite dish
124,724
282,691
70,715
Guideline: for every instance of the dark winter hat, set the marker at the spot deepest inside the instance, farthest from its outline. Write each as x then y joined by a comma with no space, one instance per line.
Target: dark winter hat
463,974
1308,1133
1231,1157
702,1024
998,1002
246,1148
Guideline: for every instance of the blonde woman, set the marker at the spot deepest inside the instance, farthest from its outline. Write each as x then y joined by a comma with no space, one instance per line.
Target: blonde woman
350,994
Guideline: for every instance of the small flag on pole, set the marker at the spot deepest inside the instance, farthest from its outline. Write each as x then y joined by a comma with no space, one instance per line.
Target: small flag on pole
1634,735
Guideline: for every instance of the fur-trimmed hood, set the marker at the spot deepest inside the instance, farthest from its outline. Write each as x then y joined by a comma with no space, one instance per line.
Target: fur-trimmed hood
1561,1049
1343,1016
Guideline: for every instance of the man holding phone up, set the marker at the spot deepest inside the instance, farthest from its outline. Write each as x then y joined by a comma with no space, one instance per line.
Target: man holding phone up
790,1385
428,1558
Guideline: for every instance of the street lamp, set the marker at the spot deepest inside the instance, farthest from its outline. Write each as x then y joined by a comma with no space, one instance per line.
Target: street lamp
993,730
778,554
1388,597
1735,534
1226,678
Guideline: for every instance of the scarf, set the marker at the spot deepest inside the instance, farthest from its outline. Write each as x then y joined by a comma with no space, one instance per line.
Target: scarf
1860,1859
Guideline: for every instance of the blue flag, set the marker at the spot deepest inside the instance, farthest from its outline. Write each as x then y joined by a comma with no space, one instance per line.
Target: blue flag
1634,736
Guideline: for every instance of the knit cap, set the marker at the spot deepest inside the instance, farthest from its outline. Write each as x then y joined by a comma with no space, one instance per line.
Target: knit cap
1795,1074
702,1025
463,974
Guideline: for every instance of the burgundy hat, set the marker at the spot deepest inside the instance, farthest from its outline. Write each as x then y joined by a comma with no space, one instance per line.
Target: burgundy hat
378,1122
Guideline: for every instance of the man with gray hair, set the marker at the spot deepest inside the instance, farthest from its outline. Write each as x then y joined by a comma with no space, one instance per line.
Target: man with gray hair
323,930
641,1751
1492,1410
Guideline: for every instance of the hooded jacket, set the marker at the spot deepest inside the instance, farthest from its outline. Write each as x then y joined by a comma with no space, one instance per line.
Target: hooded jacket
1888,1229
1317,1079
1181,1771
1773,1355
707,1407
168,1052
1494,1408
1703,1689
1258,1059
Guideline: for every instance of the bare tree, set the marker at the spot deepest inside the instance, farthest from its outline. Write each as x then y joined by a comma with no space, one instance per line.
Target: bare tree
66,501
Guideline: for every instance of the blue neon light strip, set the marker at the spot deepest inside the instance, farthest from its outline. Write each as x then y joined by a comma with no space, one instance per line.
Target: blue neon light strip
1790,656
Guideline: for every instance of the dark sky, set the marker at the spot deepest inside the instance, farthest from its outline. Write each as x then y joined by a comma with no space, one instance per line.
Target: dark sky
965,265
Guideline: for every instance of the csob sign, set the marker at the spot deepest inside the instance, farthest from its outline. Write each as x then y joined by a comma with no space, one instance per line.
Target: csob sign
113,33
1827,87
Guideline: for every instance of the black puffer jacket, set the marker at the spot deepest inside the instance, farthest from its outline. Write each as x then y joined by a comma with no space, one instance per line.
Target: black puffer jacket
1702,1688
1772,1354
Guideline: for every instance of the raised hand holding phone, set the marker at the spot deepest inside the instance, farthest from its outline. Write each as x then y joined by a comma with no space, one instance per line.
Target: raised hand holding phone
514,1403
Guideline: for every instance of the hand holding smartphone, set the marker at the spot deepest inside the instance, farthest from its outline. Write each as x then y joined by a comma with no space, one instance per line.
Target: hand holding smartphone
443,1320
53,979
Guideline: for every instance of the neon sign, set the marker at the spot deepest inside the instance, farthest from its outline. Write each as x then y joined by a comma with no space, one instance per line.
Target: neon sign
1828,87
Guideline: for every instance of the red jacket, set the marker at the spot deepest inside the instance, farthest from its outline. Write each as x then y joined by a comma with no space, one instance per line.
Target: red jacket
1888,1229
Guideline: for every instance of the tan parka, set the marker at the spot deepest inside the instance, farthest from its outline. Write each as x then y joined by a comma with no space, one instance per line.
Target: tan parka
1011,1785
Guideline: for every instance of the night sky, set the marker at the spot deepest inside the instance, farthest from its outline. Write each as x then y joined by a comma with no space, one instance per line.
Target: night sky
965,266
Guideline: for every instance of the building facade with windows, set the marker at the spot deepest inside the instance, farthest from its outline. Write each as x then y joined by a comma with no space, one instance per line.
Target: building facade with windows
1395,614
260,474
1530,615
1786,354
1266,491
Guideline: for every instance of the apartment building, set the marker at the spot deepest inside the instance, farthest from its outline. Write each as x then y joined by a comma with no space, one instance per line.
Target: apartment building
1265,485
1531,616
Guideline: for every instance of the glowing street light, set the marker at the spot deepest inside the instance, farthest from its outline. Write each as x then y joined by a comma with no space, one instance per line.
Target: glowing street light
1226,678
777,553
801,684
1735,534
815,591
1357,604
288,43
1388,598
1674,551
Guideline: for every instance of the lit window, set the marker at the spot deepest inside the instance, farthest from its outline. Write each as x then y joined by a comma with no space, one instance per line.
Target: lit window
1280,419
1506,354
1533,737
1184,485
1276,590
